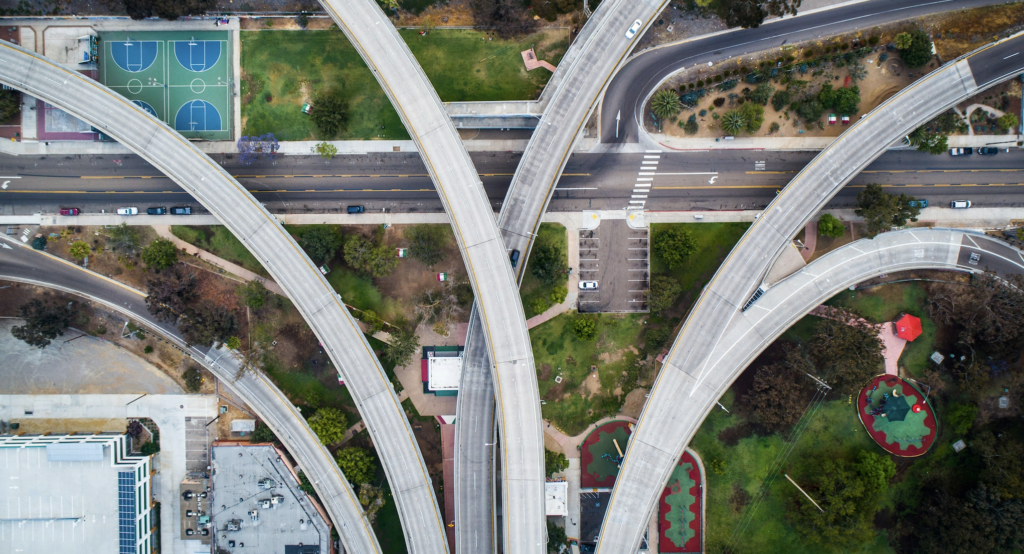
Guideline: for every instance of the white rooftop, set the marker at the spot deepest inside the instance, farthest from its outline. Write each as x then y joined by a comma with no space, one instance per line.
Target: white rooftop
444,372
556,493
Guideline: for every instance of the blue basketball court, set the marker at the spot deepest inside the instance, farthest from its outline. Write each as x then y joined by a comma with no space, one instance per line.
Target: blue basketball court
197,115
134,56
197,55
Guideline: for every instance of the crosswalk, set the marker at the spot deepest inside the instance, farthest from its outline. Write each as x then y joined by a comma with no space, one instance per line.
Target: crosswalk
644,180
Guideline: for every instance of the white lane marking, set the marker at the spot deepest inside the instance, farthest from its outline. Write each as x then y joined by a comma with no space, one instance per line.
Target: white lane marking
693,173
652,157
649,162
644,178
654,151
1011,55
638,196
636,201
647,173
575,188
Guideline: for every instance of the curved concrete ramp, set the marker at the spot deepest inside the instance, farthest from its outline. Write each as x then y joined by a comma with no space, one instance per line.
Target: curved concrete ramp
688,386
291,268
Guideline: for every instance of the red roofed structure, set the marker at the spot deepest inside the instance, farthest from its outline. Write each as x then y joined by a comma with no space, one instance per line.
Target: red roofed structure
908,327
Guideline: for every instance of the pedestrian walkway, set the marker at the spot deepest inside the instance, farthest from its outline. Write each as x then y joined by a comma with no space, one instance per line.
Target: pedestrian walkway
570,445
810,240
531,61
798,143
164,231
571,221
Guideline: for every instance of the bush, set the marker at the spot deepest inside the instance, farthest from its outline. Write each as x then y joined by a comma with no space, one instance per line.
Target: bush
329,424
733,122
330,113
160,254
700,83
10,105
774,127
252,294
673,245
558,294
193,379
585,327
780,99
691,126
703,113
663,293
357,464
919,50
234,343
830,226
149,448
961,417
554,462
762,93
665,104
873,40
810,111
753,114
1007,122
718,102
79,250
262,434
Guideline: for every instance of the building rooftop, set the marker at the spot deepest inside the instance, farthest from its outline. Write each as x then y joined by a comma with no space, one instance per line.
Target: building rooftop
444,369
555,495
257,497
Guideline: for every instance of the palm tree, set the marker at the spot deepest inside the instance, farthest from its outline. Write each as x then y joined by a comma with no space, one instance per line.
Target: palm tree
733,122
903,41
666,104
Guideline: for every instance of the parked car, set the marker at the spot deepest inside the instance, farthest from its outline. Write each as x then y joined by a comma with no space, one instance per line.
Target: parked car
960,204
961,151
181,210
128,211
69,211
588,285
156,211
634,28
356,209
918,203
514,258
988,151
975,258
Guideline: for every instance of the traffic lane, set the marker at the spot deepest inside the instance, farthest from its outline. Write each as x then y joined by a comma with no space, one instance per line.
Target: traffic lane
991,255
630,86
997,62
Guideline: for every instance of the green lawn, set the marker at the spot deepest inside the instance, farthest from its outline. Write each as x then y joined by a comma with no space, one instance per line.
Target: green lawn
534,293
714,242
218,240
294,66
886,303
558,351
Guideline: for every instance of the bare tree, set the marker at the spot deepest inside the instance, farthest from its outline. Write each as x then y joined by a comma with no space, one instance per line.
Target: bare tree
441,306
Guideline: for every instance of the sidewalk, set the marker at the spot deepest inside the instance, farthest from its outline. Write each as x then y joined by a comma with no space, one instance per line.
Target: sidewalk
571,222
164,231
798,143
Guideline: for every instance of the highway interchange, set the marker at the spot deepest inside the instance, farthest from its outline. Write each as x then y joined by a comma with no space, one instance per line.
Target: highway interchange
526,199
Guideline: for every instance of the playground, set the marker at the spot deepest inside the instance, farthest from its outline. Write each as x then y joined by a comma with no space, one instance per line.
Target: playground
679,511
599,456
181,78
897,416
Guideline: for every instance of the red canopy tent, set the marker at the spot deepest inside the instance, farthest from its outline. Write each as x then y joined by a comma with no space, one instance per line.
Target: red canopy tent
908,327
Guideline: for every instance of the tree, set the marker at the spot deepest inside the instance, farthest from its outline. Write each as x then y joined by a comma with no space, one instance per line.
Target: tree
160,254
979,523
326,150
845,100
166,9
206,323
123,238
585,327
252,294
556,538
427,243
1008,121
830,226
442,305
732,122
882,210
780,99
779,393
673,244
960,417
135,429
927,141
753,114
79,250
403,345
193,379
10,105
988,313
321,242
665,104
547,263
554,462
233,343
919,51
761,94
691,126
262,434
663,293
363,255
172,293
847,492
508,18
751,13
330,113
810,111
372,499
774,127
846,352
329,424
43,322
357,464
903,41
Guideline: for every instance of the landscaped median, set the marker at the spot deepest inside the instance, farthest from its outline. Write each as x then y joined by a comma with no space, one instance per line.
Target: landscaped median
283,70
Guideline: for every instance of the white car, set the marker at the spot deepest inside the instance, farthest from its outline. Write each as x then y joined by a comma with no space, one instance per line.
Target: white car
960,204
127,211
634,28
588,285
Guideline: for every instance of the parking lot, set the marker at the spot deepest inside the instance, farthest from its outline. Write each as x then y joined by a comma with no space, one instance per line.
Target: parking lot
197,445
616,257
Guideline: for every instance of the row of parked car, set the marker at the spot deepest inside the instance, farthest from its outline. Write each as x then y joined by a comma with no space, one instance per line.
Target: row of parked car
175,210
983,151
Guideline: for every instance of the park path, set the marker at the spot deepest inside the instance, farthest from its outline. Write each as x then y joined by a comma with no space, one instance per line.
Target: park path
164,231
570,445
572,236
531,61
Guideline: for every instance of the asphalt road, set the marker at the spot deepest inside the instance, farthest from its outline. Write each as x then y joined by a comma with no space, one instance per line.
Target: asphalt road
642,74
398,182
690,383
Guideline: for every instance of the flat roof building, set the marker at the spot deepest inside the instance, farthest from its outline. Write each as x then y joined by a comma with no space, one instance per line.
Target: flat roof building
556,494
442,369
257,505
74,494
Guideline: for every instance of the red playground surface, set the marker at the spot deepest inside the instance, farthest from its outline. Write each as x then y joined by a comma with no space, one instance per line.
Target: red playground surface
679,511
897,416
598,454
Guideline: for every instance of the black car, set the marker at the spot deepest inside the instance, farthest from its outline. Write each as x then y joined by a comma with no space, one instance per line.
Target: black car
355,209
514,258
988,151
156,211
181,210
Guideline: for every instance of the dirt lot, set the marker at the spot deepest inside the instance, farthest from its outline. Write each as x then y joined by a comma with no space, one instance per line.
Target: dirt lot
960,32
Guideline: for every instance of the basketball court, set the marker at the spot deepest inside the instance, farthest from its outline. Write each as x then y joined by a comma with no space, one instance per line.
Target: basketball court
182,78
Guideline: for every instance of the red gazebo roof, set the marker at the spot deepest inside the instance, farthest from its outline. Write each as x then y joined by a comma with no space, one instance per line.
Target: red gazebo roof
908,327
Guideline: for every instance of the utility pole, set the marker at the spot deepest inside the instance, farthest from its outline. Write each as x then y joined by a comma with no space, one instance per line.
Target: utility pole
804,493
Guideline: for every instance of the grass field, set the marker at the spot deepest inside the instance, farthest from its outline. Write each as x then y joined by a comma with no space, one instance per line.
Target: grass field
714,242
218,240
581,398
534,293
886,303
292,67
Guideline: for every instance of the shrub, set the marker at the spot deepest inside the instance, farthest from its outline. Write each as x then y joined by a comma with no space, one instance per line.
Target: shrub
330,113
79,250
700,83
149,448
1007,122
732,122
761,94
148,349
753,115
558,294
160,254
918,52
585,327
665,104
703,113
234,343
718,102
809,53
961,417
780,99
329,424
873,40
774,127
673,245
356,463
691,126
830,226
193,379
718,78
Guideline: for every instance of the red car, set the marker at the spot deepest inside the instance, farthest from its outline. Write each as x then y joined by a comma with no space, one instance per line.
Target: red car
69,211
